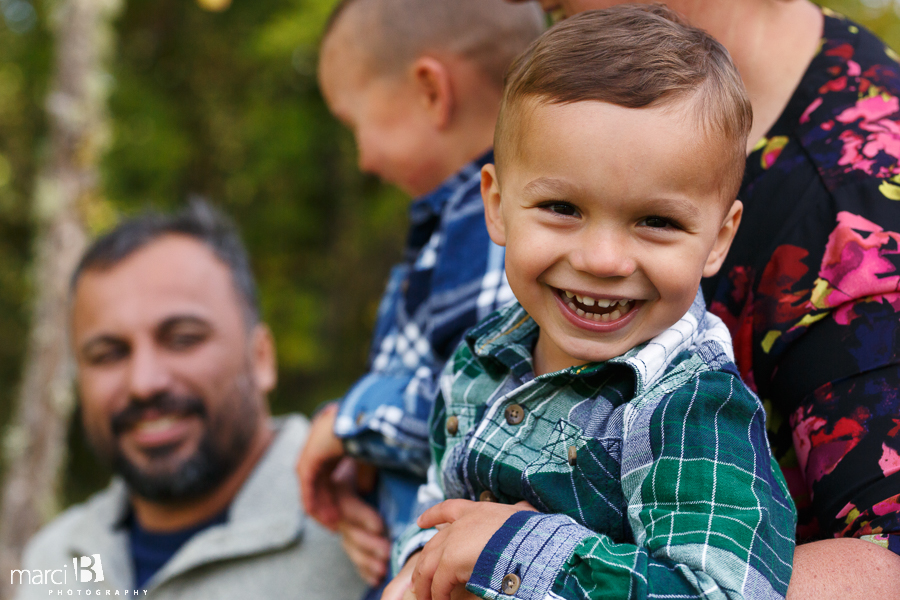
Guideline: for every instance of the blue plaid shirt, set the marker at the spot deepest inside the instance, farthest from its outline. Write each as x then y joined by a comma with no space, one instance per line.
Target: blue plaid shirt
451,277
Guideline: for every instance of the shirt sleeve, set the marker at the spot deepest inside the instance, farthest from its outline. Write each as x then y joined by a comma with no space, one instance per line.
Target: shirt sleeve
384,420
430,493
708,512
414,537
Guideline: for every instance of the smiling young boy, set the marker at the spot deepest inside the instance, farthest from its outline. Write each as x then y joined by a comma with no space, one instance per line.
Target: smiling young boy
606,399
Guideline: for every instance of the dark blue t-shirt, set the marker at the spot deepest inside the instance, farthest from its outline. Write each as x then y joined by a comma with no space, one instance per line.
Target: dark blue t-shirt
150,551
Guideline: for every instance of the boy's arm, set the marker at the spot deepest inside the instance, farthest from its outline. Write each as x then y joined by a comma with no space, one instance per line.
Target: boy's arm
431,493
709,514
414,538
383,419
330,484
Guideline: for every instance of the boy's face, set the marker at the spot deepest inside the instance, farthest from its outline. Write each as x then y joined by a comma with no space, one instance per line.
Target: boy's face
610,217
394,135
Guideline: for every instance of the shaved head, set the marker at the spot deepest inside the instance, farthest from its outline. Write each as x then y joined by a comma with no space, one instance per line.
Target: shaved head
394,33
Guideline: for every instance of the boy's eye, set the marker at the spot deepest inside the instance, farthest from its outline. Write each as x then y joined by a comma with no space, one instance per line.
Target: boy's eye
657,222
561,208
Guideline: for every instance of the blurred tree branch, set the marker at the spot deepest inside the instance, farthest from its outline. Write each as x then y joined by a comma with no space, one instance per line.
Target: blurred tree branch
66,187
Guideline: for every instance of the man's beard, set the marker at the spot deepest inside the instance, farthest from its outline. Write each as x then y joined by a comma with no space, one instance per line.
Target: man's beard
210,464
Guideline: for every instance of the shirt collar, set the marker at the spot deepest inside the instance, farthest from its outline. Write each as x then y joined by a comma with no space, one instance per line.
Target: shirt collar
510,335
432,203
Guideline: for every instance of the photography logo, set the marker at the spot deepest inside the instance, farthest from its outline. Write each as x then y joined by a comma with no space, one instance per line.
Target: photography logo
87,569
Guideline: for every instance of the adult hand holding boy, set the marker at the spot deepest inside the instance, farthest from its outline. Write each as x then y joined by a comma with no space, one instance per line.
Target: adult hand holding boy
329,481
316,466
445,564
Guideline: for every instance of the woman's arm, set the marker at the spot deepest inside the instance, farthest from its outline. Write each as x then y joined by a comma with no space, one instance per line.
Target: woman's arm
844,569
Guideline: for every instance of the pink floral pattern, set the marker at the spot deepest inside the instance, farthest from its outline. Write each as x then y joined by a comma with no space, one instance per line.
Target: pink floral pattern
811,287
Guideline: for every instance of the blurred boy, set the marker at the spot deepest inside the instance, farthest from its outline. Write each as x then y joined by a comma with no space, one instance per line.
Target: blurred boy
419,83
606,398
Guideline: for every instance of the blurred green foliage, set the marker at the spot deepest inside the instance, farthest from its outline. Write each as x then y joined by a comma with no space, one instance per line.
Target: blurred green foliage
221,105
225,105
881,16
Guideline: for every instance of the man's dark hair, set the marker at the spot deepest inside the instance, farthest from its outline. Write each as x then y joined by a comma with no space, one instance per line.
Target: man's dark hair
198,220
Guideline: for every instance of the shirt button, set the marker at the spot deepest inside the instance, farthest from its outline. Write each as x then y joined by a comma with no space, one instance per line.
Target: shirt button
452,425
510,584
514,414
487,496
573,455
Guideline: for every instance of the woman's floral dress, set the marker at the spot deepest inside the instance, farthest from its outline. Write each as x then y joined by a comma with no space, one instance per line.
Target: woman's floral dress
811,287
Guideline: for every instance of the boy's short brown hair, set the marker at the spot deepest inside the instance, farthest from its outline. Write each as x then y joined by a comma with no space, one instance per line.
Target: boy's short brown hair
393,33
635,56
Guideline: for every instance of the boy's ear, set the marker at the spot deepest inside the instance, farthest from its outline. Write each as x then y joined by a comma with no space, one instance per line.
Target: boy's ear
723,240
490,193
433,82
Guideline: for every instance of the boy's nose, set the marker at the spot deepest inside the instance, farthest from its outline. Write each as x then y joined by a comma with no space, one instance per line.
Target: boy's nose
603,255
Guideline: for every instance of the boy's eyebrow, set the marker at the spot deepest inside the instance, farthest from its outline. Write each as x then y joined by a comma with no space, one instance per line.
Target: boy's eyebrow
675,207
547,186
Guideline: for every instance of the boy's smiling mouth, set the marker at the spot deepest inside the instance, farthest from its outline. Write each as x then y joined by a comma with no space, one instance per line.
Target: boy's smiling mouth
602,310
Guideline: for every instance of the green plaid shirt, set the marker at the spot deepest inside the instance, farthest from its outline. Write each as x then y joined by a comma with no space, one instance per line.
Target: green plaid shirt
652,470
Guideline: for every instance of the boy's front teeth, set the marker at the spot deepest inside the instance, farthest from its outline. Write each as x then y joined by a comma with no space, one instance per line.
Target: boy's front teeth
587,301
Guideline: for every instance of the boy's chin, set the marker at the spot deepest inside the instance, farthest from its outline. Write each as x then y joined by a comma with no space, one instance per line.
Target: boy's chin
550,358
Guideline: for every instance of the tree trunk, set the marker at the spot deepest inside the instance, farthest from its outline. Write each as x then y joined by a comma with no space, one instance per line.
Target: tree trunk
66,187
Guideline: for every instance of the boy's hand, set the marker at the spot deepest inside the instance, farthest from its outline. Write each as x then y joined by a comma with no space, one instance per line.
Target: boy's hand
315,467
446,562
400,587
363,536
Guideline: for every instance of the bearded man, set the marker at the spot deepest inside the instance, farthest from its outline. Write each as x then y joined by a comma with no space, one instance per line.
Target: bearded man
174,367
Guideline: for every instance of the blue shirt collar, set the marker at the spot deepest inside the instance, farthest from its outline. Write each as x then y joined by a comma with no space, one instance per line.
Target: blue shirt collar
432,204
